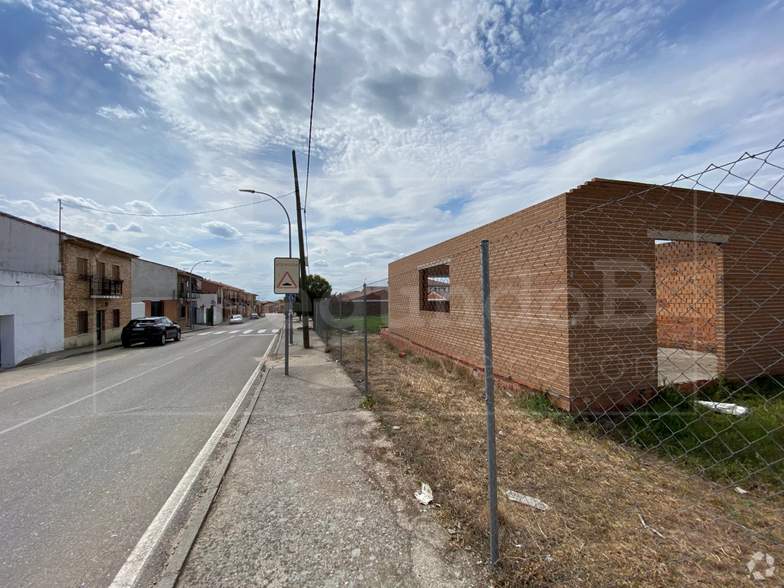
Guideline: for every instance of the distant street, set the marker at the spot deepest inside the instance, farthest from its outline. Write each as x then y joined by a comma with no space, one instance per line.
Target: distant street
91,447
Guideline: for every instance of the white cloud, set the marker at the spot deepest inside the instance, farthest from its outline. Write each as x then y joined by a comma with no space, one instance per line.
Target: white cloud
141,207
133,228
222,230
117,111
111,227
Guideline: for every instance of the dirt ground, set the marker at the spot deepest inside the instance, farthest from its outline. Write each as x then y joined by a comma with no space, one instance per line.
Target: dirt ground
616,516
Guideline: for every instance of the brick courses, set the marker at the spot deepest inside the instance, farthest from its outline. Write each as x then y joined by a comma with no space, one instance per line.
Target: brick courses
574,291
77,292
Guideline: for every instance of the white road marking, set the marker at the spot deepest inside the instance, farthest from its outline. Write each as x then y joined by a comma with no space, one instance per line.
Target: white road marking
101,391
262,331
202,334
237,331
274,331
133,566
248,331
219,332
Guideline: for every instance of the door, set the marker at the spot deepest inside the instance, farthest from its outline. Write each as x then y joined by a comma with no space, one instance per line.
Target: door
99,327
209,316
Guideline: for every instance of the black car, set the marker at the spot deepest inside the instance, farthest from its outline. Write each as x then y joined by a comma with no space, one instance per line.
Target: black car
156,329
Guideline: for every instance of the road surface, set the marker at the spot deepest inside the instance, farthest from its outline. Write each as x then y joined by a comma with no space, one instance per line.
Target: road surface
92,447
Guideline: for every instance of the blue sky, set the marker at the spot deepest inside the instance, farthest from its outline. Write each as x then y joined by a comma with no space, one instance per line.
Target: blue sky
432,117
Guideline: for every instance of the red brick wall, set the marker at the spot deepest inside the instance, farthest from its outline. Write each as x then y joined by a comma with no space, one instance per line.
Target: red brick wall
573,283
686,295
77,294
528,281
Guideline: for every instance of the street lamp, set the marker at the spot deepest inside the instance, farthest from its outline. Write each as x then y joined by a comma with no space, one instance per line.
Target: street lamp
288,320
191,308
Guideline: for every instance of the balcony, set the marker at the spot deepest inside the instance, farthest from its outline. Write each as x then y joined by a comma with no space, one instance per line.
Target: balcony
105,288
185,294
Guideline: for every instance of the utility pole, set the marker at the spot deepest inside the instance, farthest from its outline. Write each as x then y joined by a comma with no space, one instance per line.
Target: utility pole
303,279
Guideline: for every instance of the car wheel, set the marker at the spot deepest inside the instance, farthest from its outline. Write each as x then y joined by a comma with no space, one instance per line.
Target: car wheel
126,343
163,339
178,336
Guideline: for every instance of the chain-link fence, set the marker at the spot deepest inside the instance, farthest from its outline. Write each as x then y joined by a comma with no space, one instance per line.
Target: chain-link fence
638,346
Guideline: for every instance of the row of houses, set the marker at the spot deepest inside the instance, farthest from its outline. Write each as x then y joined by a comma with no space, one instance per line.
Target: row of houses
59,291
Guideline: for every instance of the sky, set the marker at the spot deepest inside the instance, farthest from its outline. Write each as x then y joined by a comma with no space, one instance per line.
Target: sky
431,117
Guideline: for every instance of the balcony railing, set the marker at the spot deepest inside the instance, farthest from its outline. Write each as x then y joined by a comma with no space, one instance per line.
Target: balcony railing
187,294
105,288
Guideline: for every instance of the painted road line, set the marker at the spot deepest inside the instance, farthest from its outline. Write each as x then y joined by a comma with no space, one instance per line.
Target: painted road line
219,332
248,331
262,331
275,331
133,566
232,332
202,334
101,391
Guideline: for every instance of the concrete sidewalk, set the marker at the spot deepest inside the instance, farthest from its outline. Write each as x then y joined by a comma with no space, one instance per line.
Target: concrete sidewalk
315,496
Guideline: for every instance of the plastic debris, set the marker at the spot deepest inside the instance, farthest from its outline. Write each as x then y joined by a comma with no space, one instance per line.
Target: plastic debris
523,499
740,490
425,494
396,427
724,407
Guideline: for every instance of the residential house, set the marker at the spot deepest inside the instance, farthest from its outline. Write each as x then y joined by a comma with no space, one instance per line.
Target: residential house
97,292
31,290
210,308
188,295
154,289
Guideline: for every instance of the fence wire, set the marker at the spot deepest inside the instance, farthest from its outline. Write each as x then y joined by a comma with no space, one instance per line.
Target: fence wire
638,339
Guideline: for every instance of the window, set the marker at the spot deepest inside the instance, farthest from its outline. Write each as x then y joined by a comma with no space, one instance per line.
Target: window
100,269
116,317
82,269
115,272
182,312
81,322
156,308
434,288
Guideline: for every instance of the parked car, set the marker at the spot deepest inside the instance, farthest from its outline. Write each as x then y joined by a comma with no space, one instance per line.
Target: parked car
236,319
156,329
253,315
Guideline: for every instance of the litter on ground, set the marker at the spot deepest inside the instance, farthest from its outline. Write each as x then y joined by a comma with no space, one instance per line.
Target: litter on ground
425,494
523,499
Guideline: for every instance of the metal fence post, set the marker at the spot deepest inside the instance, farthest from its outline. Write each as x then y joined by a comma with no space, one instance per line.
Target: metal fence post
492,482
286,332
340,325
364,312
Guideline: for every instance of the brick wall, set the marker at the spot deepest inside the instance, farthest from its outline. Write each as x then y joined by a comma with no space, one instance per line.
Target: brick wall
574,290
686,295
76,295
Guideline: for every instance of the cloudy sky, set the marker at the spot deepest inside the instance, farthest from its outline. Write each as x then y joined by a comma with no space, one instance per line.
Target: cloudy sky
431,116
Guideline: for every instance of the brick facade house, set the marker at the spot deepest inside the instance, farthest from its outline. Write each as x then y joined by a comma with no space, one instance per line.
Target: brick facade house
573,283
97,292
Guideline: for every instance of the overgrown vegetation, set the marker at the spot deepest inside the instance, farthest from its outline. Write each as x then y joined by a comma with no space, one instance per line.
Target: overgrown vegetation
356,323
620,514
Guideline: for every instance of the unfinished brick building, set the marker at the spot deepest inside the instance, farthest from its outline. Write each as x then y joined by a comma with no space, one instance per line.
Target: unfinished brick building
574,291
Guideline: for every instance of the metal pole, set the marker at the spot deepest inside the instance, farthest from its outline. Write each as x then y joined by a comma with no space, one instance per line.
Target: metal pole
190,300
492,481
340,325
286,333
364,301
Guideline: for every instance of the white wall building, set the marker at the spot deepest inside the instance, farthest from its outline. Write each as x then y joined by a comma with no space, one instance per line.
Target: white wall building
31,291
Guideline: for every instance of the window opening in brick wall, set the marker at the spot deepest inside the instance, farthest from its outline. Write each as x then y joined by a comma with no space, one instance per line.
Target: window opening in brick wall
156,308
182,312
434,288
115,272
82,269
100,269
81,322
116,318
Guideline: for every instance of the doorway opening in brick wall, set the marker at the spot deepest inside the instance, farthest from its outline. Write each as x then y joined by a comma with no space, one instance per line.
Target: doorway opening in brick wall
688,309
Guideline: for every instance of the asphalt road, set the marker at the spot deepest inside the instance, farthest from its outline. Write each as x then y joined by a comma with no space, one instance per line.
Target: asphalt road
92,447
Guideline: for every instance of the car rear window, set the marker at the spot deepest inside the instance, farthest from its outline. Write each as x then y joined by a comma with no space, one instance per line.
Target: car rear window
141,323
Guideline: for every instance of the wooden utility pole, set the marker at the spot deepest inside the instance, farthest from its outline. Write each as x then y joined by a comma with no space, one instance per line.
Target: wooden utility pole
303,279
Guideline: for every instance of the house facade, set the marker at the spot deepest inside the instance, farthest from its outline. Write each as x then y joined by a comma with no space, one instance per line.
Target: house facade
31,291
154,286
97,292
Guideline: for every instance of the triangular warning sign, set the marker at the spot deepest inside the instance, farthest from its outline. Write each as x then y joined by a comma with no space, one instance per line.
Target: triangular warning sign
286,282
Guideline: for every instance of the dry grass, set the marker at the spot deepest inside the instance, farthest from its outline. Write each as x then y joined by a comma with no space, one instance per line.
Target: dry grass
597,490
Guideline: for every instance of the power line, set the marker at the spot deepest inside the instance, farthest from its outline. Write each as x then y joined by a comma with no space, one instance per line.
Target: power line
123,213
310,126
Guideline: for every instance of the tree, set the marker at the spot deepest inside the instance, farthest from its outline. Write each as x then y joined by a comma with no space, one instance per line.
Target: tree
318,287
